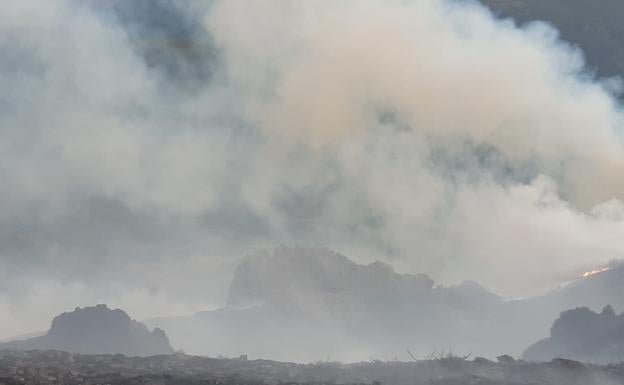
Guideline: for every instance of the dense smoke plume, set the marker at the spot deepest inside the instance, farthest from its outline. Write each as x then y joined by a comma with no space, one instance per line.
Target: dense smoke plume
144,149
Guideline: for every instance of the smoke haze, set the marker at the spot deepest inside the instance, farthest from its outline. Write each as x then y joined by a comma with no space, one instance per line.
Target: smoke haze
144,149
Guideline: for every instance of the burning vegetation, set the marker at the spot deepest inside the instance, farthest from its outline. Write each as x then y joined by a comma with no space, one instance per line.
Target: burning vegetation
591,273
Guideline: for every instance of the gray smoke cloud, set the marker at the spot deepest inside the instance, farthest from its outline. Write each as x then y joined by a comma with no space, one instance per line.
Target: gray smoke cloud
144,148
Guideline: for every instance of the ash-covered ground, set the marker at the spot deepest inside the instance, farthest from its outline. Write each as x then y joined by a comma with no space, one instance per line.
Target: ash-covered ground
62,368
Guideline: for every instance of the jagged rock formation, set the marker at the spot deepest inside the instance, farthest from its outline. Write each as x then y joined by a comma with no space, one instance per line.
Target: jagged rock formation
585,335
531,318
314,278
98,330
322,304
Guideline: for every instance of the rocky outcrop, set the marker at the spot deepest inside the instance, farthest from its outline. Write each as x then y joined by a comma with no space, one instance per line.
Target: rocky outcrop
98,330
313,277
323,304
582,334
320,303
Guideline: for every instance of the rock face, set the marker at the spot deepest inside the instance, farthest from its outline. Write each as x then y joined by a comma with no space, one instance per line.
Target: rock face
582,334
319,303
313,278
98,330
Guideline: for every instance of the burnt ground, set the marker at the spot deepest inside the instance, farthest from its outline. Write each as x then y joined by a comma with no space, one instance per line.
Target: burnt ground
55,367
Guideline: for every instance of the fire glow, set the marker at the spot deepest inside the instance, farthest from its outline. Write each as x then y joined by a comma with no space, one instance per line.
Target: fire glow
594,272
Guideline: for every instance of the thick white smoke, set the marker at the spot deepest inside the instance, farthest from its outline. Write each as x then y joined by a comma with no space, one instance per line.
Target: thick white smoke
426,133
388,86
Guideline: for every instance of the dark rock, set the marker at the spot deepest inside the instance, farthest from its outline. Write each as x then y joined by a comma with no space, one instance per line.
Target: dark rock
98,330
505,359
482,361
324,304
584,335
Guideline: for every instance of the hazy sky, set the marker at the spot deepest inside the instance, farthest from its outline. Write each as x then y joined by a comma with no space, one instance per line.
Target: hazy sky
145,146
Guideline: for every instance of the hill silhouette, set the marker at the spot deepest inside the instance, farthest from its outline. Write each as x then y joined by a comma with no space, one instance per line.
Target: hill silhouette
98,330
582,334
319,303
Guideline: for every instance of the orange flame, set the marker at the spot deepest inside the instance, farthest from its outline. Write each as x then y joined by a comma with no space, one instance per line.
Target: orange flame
594,272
